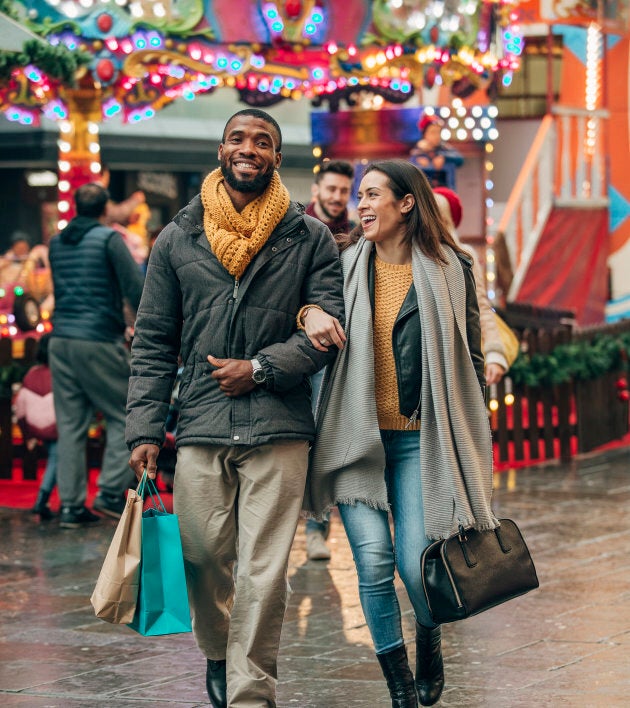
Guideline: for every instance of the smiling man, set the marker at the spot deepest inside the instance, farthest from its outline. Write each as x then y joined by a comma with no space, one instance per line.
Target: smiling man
226,283
331,192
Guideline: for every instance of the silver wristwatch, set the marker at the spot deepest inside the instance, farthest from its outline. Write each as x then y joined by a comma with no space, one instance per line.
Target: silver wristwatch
258,374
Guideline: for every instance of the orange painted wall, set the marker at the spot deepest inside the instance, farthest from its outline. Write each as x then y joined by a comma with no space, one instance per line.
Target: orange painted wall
615,99
618,132
573,80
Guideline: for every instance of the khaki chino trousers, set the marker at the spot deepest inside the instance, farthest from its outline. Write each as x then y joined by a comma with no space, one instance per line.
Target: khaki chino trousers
240,504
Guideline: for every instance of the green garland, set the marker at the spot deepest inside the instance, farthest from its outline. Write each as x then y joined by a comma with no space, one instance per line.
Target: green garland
578,361
56,62
7,8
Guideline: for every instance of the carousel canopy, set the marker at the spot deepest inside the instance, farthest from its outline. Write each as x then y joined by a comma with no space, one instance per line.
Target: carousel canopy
140,55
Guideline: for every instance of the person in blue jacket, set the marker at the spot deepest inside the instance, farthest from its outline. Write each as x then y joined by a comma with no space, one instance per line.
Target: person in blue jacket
436,158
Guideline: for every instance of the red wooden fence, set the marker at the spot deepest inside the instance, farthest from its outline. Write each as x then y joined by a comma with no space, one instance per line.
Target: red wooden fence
547,422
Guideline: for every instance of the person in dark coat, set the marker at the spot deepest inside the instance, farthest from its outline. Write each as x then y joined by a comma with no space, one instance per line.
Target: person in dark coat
331,191
436,158
93,272
227,282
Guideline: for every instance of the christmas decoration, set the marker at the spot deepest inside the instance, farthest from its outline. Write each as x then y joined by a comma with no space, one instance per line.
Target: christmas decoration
57,63
146,54
578,361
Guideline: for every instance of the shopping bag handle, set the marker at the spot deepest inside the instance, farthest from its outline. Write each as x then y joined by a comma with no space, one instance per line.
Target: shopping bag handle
145,485
141,483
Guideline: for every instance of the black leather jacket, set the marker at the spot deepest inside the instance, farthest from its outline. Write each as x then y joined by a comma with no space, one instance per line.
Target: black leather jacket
406,340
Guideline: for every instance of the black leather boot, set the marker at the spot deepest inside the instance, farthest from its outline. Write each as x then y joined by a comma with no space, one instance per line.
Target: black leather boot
395,666
216,683
41,506
429,664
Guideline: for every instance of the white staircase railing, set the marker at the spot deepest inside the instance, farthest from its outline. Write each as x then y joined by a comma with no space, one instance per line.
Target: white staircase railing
581,157
564,167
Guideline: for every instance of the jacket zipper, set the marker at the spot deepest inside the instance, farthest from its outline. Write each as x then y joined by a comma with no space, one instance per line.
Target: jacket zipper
234,300
414,415
232,303
412,420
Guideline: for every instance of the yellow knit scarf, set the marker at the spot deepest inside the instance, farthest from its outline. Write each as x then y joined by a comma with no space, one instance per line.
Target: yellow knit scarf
236,238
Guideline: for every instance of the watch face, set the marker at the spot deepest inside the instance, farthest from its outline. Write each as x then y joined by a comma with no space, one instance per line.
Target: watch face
259,376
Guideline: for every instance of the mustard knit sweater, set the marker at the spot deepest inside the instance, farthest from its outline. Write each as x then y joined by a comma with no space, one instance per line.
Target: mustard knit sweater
391,285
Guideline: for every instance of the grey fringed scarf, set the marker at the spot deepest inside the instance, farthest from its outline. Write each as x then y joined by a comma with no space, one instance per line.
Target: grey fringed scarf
348,460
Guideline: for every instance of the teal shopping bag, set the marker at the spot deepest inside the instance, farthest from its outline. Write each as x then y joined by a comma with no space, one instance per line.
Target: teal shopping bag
162,606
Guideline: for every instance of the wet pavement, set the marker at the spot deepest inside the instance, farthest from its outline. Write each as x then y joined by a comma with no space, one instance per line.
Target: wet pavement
566,644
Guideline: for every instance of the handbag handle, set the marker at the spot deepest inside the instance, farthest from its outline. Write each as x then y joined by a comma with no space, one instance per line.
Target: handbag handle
469,556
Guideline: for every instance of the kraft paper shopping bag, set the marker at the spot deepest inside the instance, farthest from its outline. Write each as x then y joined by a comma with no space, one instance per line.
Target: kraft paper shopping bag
116,591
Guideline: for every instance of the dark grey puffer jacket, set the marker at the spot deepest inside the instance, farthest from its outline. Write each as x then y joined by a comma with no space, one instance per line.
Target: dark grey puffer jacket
191,304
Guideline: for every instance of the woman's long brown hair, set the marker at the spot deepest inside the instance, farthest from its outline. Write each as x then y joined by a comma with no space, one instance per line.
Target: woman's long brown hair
425,225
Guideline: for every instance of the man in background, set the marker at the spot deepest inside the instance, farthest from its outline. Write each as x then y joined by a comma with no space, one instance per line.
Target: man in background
331,192
93,272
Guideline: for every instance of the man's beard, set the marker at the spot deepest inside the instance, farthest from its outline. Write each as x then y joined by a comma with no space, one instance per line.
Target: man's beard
330,216
258,184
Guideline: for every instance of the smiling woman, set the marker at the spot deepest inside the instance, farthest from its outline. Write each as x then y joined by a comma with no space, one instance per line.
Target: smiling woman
383,217
412,323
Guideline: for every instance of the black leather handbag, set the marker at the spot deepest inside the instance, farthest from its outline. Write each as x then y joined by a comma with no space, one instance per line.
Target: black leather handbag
472,571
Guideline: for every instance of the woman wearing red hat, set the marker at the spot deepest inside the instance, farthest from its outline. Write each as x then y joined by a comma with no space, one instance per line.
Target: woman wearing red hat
496,360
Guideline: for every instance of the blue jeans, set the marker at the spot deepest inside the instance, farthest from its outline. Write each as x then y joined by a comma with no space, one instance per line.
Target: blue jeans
323,527
375,554
50,475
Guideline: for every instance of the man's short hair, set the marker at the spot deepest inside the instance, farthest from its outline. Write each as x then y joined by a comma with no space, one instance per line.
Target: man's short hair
91,200
256,113
336,167
18,236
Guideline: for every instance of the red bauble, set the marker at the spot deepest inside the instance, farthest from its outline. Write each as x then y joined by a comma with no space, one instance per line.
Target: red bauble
105,70
430,75
104,22
624,395
434,34
621,383
293,8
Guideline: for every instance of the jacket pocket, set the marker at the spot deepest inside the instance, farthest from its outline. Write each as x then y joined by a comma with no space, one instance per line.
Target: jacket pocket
187,375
